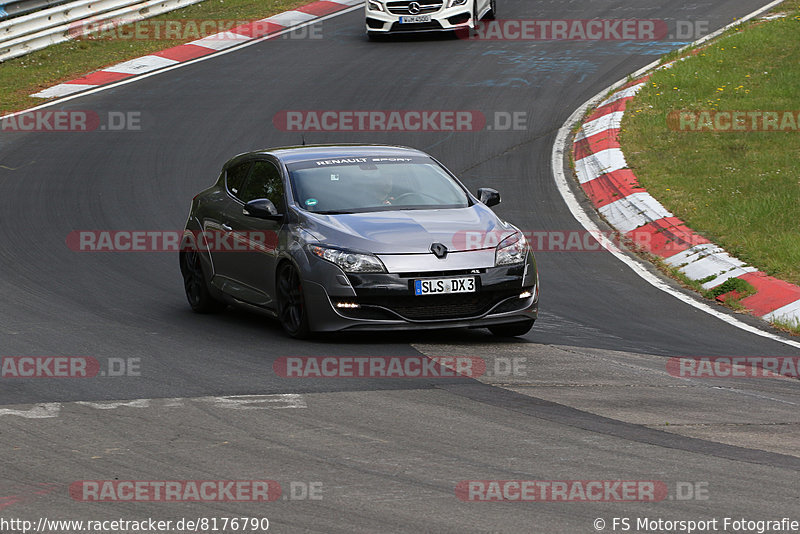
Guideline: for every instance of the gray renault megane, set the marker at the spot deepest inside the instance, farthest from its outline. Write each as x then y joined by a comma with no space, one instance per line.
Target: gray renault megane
356,237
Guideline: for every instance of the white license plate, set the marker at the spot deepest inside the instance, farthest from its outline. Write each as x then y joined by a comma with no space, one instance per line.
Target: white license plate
415,19
442,286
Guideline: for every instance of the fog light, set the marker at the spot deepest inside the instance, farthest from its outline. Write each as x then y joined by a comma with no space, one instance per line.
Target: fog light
347,305
525,295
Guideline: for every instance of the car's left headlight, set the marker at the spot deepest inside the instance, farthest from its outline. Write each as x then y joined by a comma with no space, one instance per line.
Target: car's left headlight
456,3
511,250
350,262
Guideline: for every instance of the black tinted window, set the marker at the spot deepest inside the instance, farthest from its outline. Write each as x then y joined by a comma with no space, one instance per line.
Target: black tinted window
236,177
264,182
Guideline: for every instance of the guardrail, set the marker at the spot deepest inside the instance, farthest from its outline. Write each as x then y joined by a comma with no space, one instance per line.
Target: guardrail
16,8
23,34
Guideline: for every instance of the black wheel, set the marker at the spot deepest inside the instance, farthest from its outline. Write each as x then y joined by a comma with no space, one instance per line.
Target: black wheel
291,303
492,14
512,330
194,282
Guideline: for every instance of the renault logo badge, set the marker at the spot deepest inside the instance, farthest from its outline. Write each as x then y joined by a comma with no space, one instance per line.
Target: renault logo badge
439,250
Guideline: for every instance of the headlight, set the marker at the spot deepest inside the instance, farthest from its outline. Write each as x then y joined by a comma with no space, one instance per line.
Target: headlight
454,3
374,5
350,262
511,250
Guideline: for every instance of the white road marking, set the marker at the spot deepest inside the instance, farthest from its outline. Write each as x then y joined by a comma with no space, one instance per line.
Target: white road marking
113,405
625,93
220,41
231,402
290,18
40,411
610,121
141,64
596,165
790,312
258,402
633,211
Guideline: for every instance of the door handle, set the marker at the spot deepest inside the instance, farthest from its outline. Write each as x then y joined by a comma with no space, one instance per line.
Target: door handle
226,227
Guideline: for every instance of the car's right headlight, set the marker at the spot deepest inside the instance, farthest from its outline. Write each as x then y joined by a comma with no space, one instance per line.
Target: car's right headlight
511,250
350,262
374,5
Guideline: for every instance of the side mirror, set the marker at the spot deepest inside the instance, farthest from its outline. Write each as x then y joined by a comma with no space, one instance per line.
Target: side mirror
489,196
262,208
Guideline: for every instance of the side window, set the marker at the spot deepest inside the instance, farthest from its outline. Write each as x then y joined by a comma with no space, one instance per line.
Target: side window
236,177
265,182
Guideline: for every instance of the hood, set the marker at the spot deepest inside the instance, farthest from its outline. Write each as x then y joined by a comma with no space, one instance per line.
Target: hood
410,231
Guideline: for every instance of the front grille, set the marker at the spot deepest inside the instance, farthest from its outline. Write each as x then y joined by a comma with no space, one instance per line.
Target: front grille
417,26
434,274
432,307
425,7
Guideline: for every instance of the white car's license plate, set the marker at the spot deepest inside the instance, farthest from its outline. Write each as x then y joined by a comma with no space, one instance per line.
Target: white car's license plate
414,19
443,286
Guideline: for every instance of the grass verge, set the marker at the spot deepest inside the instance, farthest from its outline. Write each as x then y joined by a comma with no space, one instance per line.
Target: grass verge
22,76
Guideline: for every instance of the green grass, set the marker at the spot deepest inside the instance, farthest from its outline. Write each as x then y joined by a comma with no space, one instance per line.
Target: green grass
31,73
792,327
739,189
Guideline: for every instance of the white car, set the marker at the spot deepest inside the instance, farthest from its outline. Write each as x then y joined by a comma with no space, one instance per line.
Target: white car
401,16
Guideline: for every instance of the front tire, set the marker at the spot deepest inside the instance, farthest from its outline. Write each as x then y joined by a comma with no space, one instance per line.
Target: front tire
492,14
512,330
194,283
292,311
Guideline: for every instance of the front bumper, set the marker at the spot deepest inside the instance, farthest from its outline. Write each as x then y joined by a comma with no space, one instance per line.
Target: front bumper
444,19
387,301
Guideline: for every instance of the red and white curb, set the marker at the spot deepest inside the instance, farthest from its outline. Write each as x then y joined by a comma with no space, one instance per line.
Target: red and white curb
201,47
604,175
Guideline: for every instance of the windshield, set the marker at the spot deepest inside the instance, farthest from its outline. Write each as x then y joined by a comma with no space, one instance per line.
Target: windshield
373,183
